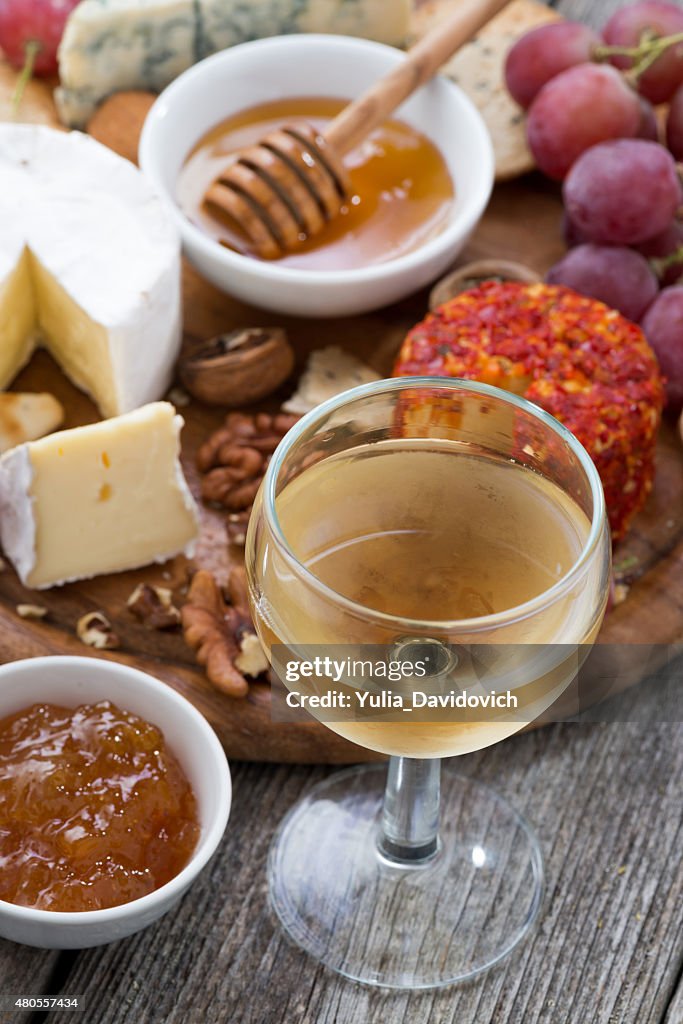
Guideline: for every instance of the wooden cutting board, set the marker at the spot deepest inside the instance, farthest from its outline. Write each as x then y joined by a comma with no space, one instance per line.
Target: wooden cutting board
522,223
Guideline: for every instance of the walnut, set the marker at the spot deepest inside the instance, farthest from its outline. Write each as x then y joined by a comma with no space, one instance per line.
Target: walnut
222,633
251,661
154,606
236,527
31,611
239,367
179,398
95,630
235,458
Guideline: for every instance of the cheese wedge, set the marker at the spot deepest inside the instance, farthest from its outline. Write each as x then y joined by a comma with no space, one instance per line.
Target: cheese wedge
112,45
89,267
97,499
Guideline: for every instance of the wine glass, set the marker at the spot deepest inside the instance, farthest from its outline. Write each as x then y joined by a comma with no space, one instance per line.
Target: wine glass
454,522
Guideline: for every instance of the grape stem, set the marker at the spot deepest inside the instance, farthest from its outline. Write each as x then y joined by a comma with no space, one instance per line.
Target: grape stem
664,263
32,49
648,50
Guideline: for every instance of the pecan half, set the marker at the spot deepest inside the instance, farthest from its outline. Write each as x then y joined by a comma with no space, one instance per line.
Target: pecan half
221,632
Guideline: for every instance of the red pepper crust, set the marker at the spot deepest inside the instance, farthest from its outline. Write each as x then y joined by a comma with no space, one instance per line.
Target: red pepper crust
581,361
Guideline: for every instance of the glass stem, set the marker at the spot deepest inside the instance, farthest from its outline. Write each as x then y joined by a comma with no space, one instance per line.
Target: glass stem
410,817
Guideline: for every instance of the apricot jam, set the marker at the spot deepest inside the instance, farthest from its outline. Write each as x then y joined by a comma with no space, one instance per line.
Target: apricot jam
94,809
402,192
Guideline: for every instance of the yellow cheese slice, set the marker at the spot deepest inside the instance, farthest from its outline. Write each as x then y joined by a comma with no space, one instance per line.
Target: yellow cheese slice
97,499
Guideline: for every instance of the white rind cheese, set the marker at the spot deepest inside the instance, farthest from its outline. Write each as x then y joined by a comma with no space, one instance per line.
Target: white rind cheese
89,267
111,45
103,498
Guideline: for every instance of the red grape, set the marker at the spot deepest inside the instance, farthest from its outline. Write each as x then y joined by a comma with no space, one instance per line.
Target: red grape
623,191
664,244
663,326
619,277
33,21
580,107
542,53
570,233
648,129
626,28
674,125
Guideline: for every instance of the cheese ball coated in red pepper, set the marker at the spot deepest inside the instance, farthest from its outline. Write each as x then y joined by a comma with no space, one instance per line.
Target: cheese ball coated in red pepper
576,358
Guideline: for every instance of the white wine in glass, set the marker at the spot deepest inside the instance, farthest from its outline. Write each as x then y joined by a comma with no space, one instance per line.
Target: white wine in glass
410,513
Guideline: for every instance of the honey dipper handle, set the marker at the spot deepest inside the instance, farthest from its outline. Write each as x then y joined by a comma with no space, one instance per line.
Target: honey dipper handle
423,60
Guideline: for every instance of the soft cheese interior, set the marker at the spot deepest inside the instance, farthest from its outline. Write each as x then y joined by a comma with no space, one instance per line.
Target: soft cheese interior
17,318
97,499
35,308
89,267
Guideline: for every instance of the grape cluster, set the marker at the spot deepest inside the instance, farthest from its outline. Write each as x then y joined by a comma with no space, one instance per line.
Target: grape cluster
592,125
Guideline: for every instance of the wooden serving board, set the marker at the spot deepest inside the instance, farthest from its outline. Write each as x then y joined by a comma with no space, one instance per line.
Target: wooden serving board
522,223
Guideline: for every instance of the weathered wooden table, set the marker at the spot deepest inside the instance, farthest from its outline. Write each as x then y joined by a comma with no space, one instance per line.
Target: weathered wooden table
605,800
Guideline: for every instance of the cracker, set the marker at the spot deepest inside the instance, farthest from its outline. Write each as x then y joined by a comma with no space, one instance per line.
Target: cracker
329,371
478,69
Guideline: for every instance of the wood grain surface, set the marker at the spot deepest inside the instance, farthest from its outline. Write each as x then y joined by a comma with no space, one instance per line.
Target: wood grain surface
25,971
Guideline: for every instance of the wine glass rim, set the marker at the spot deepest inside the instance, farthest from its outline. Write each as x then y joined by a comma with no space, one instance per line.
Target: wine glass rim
471,625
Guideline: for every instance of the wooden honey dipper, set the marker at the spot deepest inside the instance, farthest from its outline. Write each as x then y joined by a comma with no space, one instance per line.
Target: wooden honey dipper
287,187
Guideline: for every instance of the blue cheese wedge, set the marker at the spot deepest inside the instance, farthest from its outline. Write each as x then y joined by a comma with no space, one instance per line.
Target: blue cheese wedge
224,23
89,267
111,45
97,499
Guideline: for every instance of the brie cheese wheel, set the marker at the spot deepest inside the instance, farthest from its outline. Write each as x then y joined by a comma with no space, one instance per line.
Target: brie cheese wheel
89,267
97,499
112,45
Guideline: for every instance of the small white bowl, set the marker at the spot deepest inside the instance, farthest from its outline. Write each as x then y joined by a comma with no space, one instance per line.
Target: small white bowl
315,65
73,681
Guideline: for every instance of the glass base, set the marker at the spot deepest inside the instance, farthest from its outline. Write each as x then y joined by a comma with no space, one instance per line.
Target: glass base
404,927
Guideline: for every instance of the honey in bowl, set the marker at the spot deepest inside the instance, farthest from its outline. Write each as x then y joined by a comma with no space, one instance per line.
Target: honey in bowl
402,193
95,810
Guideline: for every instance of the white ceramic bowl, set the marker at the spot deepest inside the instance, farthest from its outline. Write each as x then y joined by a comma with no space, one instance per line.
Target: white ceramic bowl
315,65
73,681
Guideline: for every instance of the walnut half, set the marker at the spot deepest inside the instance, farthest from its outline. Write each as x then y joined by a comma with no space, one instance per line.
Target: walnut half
154,607
221,632
234,459
95,630
240,367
